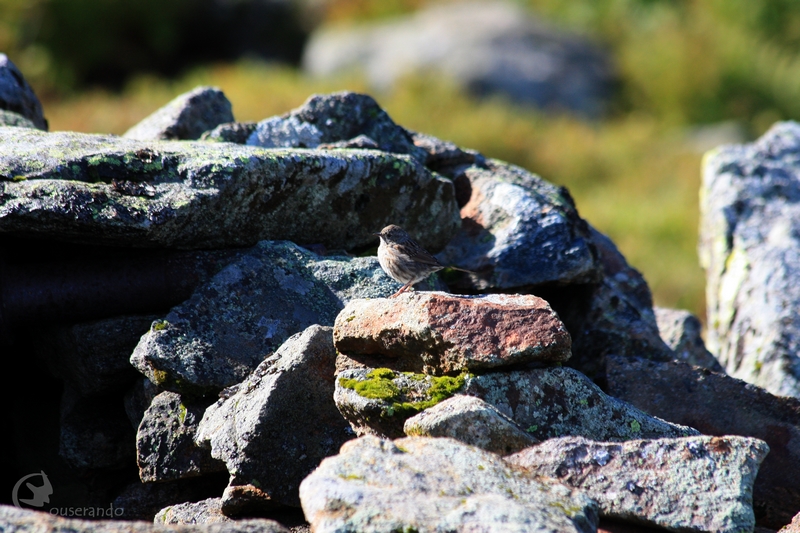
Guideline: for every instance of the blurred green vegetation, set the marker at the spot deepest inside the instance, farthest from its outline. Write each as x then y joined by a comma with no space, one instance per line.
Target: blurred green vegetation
634,174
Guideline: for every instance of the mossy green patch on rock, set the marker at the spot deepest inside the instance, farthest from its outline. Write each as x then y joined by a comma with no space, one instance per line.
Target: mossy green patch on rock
388,397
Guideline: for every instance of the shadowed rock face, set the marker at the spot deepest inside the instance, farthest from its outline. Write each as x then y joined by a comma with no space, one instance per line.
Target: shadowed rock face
17,97
750,249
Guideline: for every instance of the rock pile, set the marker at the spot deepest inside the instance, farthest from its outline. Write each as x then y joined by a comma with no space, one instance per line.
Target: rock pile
219,349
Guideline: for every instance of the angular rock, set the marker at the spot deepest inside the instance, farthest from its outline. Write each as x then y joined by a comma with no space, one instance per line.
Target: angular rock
108,190
750,250
487,47
186,117
378,402
17,96
472,421
614,316
558,402
690,484
245,312
165,447
518,231
329,118
717,404
275,427
207,511
681,330
14,520
93,357
425,484
438,333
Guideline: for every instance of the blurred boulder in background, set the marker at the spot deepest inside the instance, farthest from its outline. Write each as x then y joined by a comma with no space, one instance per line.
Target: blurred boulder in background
91,42
488,47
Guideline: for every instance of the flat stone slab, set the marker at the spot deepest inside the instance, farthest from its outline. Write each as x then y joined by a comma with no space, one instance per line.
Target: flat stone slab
101,189
426,484
696,483
439,333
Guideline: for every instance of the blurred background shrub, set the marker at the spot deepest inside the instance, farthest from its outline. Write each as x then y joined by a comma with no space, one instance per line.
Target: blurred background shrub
691,74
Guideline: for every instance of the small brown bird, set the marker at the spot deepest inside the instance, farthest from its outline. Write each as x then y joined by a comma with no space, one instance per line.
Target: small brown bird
404,260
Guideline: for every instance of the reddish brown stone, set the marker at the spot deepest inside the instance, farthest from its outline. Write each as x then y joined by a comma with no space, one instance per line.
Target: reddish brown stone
440,333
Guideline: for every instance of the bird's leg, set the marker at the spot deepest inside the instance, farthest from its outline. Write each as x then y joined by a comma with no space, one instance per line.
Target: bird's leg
403,289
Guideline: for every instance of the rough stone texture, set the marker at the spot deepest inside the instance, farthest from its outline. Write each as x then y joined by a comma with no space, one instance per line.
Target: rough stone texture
275,427
9,118
14,520
557,402
717,404
614,316
438,333
546,403
165,447
472,421
17,96
186,117
750,249
231,132
488,47
231,323
690,484
93,357
95,433
330,118
207,511
681,330
388,398
109,190
518,231
425,484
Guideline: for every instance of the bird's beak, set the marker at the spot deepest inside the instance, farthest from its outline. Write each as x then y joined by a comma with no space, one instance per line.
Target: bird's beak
377,234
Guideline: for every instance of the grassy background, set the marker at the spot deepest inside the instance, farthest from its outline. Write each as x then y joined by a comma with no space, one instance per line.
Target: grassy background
634,174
